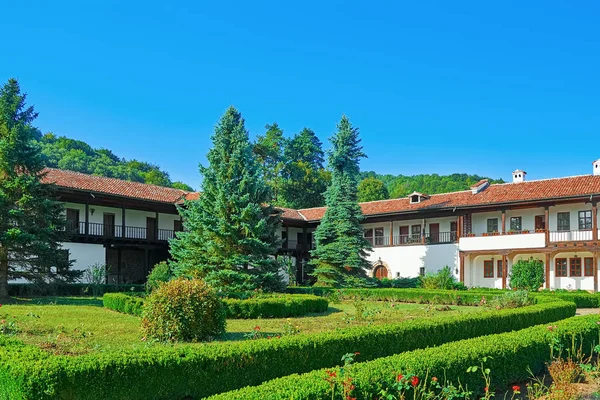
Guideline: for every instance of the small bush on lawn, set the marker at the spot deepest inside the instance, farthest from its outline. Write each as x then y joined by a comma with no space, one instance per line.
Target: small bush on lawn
443,279
160,274
514,299
527,274
124,302
183,310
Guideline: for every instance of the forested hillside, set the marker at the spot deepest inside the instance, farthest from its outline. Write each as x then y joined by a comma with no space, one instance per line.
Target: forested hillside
76,155
401,185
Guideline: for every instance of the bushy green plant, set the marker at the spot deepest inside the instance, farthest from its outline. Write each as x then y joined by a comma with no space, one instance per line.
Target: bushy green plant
400,283
127,303
160,274
527,274
183,310
95,275
513,299
443,279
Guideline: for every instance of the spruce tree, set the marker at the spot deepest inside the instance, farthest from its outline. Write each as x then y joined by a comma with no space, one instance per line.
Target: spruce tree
229,236
341,248
32,224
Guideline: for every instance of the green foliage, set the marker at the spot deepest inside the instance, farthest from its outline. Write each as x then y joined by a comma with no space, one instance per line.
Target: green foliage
512,299
268,150
160,372
160,274
402,185
183,310
400,283
341,248
371,189
95,275
527,274
230,231
32,224
68,289
443,279
124,303
509,357
76,155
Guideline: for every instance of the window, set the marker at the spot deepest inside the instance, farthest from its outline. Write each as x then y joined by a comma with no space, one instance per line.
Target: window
492,225
415,231
379,237
284,241
422,271
588,266
561,267
178,225
368,233
374,236
488,269
415,198
499,263
563,221
575,266
585,220
515,223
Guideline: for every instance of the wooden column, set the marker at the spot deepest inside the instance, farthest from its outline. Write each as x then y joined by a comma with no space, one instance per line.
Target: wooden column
547,224
548,260
503,222
423,231
87,218
461,255
594,222
119,258
123,222
156,227
504,270
595,261
458,227
391,233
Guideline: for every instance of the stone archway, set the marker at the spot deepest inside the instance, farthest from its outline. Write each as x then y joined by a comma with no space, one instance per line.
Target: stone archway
381,270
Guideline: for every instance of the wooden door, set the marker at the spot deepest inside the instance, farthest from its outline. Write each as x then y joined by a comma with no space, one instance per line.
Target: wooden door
453,230
434,233
380,272
73,220
177,225
403,234
540,222
108,221
150,228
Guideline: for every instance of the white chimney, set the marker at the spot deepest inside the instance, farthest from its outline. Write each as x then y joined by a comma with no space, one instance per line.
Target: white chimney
518,176
596,166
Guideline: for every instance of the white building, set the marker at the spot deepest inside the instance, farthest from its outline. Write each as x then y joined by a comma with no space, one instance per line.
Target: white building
479,233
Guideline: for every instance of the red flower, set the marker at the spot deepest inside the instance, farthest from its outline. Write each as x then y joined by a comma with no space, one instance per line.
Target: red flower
434,379
257,328
486,389
331,374
516,388
357,353
399,377
414,381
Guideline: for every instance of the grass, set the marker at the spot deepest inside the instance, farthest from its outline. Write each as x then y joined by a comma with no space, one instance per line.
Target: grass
78,325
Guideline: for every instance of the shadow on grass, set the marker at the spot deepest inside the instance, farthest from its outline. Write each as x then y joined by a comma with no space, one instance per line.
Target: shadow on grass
59,301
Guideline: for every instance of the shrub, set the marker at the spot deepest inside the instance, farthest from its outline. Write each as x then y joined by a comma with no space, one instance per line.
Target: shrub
160,274
509,356
124,303
513,299
183,310
95,275
443,279
161,372
527,274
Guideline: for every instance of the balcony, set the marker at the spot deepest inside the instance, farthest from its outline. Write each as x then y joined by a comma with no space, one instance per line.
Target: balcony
295,245
414,239
571,236
97,231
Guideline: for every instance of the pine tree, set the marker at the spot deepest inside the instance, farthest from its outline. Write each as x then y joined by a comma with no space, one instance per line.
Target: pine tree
268,150
341,249
229,236
304,179
32,224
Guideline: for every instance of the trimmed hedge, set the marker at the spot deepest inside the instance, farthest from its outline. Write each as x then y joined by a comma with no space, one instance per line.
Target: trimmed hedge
67,289
160,372
511,354
276,306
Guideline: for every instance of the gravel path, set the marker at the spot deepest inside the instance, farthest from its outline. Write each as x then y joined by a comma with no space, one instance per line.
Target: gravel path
587,311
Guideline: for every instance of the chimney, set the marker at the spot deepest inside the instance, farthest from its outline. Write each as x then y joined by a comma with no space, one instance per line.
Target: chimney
518,175
596,167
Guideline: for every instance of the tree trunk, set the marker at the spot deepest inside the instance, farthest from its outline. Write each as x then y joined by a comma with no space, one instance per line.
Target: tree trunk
3,274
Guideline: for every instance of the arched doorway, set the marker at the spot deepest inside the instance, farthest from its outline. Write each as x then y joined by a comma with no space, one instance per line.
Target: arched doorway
380,272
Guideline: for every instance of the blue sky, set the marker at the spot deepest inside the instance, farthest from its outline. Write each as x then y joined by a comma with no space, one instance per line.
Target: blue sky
434,86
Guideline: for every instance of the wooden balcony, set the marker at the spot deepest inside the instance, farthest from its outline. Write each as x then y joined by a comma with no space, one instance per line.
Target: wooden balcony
572,236
415,239
101,232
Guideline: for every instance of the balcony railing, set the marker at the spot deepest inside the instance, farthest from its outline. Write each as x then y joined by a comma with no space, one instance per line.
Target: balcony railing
413,239
568,236
511,232
295,245
97,230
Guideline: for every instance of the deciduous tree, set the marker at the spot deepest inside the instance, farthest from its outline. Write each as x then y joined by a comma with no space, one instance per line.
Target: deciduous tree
371,189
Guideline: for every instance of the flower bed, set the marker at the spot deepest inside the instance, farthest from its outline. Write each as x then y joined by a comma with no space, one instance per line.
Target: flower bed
274,306
158,372
507,355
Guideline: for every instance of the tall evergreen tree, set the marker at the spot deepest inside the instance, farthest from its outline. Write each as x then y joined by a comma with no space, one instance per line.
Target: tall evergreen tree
31,222
341,248
304,179
229,236
269,154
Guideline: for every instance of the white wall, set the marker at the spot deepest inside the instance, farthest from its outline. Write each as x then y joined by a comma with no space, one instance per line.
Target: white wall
568,282
85,254
516,241
407,260
395,225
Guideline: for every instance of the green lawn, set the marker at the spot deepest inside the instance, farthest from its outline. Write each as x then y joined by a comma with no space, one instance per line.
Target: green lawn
71,325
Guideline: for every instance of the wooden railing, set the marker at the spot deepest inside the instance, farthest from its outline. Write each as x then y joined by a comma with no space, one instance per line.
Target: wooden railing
98,230
567,236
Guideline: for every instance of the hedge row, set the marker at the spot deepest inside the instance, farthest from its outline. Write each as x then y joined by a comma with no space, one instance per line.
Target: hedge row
159,372
276,306
67,289
511,356
582,299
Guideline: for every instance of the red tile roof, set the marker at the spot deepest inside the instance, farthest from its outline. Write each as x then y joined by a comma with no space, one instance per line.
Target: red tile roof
289,213
546,189
112,186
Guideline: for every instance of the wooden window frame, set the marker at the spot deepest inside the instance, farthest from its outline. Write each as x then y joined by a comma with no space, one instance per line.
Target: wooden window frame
587,219
488,225
571,267
520,219
488,269
558,267
590,271
558,220
499,268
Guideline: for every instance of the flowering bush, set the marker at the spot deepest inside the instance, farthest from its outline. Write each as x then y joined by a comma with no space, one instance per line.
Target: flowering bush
183,310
